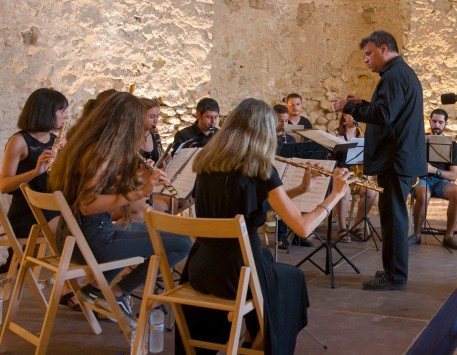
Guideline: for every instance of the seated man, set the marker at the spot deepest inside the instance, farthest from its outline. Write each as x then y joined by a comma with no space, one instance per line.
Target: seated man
283,120
440,183
203,129
294,104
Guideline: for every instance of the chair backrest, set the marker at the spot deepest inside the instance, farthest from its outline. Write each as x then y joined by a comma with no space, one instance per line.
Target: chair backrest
55,201
204,228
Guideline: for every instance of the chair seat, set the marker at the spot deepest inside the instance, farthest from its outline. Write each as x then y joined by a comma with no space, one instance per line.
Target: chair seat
186,295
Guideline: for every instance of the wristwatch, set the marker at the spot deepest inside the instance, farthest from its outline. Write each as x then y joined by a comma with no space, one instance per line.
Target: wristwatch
438,172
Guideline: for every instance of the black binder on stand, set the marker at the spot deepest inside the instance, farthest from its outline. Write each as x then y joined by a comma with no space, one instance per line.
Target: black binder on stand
439,150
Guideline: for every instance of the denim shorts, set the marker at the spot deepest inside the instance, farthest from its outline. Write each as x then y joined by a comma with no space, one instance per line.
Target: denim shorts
434,184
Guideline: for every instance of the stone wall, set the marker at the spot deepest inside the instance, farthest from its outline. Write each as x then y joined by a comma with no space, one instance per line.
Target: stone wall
181,51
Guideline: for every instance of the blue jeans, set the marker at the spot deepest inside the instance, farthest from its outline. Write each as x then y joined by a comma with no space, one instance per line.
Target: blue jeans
435,185
110,242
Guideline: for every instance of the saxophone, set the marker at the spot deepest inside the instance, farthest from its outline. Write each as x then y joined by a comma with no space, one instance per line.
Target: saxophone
55,147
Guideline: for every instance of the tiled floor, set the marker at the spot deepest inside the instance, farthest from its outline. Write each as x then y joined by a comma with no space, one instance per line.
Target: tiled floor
347,319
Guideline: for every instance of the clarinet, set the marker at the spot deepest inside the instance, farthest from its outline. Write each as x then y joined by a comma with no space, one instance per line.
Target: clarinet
284,136
156,134
55,149
212,130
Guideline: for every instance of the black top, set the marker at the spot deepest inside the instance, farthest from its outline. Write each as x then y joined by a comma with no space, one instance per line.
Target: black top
303,121
34,150
213,266
193,135
395,129
19,213
154,154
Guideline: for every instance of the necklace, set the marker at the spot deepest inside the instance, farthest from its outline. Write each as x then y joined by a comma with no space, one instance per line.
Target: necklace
146,136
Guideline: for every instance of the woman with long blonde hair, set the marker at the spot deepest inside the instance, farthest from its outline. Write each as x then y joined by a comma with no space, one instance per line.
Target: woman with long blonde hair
97,172
235,175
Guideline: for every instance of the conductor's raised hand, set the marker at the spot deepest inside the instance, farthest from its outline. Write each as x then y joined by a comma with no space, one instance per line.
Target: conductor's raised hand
341,179
338,104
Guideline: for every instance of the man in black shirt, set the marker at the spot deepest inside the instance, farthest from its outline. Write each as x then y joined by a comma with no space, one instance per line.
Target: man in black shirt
294,104
203,129
395,149
440,183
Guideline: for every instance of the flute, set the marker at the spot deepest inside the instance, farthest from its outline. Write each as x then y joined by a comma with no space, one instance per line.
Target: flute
170,188
55,148
358,182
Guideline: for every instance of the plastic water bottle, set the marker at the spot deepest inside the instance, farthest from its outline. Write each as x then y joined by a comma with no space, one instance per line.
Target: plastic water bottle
156,327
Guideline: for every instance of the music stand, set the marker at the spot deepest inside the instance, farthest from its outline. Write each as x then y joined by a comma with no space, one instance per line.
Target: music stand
305,150
439,150
354,156
332,145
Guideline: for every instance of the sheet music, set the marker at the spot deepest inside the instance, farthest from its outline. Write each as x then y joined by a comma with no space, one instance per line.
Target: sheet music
327,140
355,155
184,181
291,128
179,171
292,176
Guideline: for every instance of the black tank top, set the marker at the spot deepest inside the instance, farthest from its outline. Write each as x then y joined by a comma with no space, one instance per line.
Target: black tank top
34,150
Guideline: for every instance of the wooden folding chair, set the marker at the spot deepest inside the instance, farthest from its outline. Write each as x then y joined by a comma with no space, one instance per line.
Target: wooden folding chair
178,295
65,271
10,240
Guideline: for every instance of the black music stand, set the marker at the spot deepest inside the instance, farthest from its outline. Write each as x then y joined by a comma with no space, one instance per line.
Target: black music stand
327,243
304,150
439,150
355,157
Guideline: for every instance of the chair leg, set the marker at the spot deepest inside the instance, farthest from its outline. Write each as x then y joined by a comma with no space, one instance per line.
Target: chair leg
54,298
237,320
88,312
146,304
10,276
16,296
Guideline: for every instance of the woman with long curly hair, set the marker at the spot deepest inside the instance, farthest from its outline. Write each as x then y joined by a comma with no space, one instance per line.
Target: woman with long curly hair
97,172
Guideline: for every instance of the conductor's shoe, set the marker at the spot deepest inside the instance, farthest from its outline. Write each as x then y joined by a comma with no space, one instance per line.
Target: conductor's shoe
379,273
303,242
383,284
450,242
414,240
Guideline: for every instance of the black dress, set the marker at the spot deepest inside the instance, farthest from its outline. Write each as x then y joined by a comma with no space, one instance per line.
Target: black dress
213,266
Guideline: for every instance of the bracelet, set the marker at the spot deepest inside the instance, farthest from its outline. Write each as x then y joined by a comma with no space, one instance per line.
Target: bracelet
325,208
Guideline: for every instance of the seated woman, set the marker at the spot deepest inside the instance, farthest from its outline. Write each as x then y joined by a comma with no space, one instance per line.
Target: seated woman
26,159
96,172
349,129
235,175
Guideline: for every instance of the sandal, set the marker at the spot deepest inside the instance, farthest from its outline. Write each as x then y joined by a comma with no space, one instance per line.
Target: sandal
360,234
66,300
344,236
